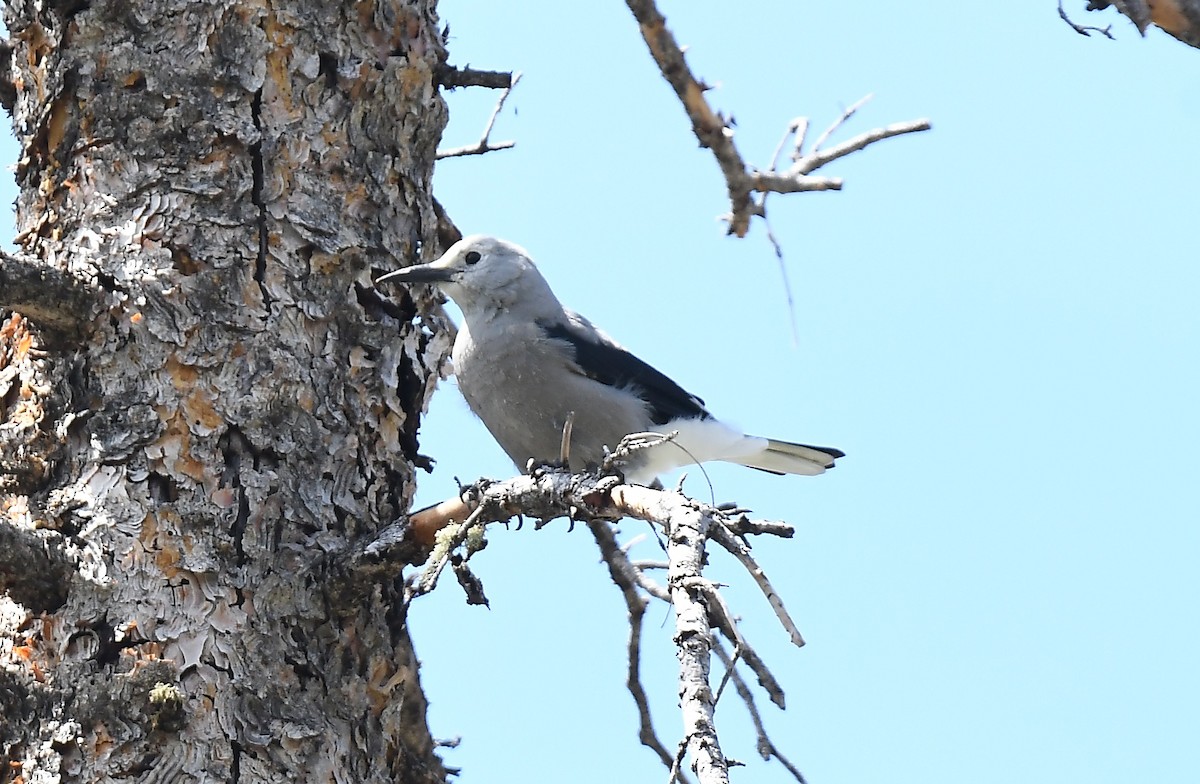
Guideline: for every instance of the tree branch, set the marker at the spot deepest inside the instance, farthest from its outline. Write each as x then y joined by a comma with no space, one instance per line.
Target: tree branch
766,747
715,133
1084,30
59,303
450,78
738,549
483,145
627,577
440,531
33,572
687,531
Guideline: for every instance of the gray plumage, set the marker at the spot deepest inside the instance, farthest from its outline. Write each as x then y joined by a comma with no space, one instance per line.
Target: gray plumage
524,363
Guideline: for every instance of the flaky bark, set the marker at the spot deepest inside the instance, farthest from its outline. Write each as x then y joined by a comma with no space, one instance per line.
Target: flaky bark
228,398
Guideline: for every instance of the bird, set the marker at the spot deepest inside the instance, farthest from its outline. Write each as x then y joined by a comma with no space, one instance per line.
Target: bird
527,366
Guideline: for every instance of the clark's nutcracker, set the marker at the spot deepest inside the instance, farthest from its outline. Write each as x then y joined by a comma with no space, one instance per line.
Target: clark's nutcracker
525,363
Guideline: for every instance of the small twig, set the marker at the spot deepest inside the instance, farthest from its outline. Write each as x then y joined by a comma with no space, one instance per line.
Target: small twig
762,674
449,540
487,129
766,748
799,128
744,525
624,576
714,132
472,586
479,148
724,537
649,586
634,541
677,763
729,666
450,78
1085,30
483,145
794,128
838,123
723,619
819,157
547,493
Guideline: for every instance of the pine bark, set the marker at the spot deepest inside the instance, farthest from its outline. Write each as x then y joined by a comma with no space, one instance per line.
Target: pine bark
216,401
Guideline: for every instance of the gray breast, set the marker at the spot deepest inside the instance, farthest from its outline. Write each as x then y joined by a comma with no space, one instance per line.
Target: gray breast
523,386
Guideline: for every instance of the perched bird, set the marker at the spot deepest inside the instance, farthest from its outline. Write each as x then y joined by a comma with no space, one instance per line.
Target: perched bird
525,364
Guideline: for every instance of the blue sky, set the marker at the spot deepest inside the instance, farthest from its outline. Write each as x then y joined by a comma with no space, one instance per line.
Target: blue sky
998,323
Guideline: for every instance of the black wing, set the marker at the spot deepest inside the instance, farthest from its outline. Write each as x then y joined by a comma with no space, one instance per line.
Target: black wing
608,363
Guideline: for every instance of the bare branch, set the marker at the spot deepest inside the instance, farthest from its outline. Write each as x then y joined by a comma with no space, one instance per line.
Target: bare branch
744,525
34,572
58,302
624,575
838,123
451,77
1084,29
472,586
688,526
715,133
478,148
547,493
723,619
766,747
740,551
449,539
818,157
799,129
484,145
710,128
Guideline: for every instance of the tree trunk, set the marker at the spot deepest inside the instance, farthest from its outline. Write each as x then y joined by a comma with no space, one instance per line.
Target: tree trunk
234,404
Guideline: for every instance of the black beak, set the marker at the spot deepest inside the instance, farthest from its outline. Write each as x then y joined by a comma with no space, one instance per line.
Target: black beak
422,273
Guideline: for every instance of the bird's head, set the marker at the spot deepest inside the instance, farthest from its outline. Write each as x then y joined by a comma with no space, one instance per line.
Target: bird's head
479,272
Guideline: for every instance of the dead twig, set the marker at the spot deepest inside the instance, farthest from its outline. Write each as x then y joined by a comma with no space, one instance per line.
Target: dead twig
766,747
450,78
715,133
626,577
1085,30
484,144
547,493
738,549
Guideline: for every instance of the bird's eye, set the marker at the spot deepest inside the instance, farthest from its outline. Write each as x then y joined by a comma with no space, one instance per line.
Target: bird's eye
472,257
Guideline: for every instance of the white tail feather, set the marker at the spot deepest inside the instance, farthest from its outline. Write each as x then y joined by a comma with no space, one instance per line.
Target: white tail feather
702,440
784,457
